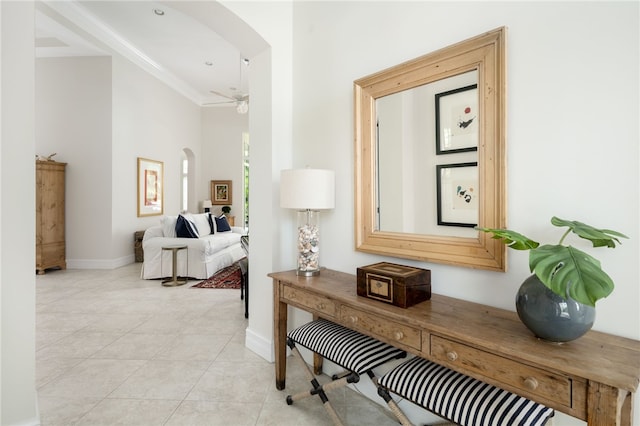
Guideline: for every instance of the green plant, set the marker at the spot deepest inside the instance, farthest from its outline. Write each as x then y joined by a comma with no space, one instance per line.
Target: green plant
564,269
226,209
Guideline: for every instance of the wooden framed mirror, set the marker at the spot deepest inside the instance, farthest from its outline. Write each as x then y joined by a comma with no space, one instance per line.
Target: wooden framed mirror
408,182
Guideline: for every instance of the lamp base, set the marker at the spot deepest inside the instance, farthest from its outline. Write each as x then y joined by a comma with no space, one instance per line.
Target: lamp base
301,273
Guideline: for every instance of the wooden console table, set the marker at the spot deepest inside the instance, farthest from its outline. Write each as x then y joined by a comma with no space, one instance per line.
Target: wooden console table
592,378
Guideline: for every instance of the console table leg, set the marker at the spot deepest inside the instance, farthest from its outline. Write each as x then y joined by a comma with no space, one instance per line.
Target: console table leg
608,405
279,336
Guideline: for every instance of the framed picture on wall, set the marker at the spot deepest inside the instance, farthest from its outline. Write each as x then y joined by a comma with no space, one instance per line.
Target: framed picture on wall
457,194
221,192
457,119
150,187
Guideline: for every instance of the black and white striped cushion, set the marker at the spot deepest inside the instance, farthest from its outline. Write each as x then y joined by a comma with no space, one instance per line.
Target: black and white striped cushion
349,349
461,399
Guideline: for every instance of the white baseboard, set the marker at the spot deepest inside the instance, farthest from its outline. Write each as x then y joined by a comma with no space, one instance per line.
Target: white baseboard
28,422
258,344
100,263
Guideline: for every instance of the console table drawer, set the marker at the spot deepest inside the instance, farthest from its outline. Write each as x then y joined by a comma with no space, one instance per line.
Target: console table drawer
310,301
532,381
391,332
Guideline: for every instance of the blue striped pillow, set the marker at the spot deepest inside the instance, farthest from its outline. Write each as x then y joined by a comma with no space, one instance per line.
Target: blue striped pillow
185,228
222,225
211,225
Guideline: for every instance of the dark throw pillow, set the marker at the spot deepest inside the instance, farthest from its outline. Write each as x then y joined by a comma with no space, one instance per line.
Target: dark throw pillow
221,224
211,225
185,228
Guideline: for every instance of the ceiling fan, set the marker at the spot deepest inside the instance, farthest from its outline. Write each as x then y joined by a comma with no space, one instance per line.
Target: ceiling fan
241,101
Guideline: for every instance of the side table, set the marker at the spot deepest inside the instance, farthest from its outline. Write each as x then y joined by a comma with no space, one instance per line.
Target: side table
174,281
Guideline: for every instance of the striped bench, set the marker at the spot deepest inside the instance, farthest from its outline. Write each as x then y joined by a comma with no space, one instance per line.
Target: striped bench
349,349
457,397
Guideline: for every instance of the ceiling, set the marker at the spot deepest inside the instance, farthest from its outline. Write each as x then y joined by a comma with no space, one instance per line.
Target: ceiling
181,51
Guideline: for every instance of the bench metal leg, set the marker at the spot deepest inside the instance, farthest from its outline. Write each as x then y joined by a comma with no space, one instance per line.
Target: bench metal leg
319,389
404,421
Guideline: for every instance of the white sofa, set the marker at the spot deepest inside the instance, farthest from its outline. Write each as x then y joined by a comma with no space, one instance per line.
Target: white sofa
207,254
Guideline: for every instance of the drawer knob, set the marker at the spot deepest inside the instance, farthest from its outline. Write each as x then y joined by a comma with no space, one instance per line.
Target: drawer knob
531,383
354,319
452,356
399,335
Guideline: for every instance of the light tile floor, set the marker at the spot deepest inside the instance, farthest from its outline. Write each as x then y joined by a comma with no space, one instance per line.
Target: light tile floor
113,349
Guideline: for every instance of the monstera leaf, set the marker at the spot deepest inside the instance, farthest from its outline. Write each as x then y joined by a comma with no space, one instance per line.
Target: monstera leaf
569,272
565,270
512,239
598,237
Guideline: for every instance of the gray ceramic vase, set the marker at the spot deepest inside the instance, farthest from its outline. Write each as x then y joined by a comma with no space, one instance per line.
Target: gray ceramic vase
549,316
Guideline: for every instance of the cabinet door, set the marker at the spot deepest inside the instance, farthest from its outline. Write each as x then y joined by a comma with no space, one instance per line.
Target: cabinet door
52,205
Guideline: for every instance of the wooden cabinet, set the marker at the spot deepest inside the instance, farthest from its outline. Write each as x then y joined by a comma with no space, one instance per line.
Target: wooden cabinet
50,212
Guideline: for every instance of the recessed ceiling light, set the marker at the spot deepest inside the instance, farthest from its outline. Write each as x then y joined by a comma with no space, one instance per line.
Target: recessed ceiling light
158,12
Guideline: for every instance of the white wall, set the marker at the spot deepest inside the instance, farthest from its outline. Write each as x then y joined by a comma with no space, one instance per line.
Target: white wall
73,119
99,114
17,211
221,158
150,120
572,125
270,82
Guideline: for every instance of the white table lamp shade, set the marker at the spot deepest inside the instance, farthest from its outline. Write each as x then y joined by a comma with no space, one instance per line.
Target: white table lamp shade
206,204
307,189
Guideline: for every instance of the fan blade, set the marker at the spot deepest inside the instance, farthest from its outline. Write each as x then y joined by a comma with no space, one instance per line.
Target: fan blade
222,95
219,103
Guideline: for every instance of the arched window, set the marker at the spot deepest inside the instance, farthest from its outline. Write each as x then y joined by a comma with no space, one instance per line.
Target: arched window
184,187
188,202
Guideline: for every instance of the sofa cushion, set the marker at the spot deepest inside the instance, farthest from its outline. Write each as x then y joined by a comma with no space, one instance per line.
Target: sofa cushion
169,226
201,221
186,228
222,225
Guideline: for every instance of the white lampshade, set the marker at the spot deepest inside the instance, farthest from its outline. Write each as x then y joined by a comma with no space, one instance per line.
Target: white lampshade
307,189
206,204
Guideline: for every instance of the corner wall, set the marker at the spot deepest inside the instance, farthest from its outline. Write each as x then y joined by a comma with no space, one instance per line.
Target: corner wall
99,114
18,400
270,80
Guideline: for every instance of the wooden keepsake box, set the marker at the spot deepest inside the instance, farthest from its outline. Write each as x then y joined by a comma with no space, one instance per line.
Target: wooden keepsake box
398,285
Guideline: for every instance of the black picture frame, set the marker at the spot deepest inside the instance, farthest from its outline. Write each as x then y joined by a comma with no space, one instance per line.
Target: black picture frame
457,194
457,118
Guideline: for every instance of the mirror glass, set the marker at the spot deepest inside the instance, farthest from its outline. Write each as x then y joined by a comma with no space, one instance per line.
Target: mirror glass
418,129
430,159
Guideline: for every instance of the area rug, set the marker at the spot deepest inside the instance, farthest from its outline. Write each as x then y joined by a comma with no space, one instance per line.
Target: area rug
229,277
